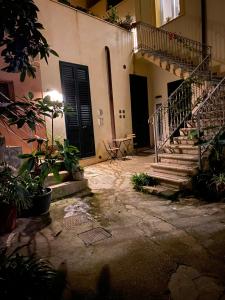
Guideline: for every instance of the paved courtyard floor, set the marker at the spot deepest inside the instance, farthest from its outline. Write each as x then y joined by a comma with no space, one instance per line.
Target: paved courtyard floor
121,244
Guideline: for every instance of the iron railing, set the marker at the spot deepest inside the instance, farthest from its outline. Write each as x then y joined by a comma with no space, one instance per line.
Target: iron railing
209,117
177,110
172,46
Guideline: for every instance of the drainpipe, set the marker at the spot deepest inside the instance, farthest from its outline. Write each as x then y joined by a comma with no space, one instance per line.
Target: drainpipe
204,24
110,87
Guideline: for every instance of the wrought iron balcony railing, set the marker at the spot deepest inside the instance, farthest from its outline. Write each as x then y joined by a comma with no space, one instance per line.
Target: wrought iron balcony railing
171,46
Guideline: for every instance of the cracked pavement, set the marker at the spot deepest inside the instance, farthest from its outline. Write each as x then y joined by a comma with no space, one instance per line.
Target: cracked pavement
158,250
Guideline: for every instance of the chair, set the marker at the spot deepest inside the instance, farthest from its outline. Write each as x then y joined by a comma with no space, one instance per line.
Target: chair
111,150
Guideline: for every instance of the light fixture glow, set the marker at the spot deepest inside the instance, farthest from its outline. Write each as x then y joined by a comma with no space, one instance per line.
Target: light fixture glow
55,95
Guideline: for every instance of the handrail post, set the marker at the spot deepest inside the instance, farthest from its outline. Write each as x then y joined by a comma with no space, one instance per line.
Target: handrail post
155,138
199,142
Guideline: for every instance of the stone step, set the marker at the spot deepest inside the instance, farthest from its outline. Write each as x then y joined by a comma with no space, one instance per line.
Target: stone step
184,149
184,140
173,181
51,180
180,159
185,131
162,191
174,169
68,188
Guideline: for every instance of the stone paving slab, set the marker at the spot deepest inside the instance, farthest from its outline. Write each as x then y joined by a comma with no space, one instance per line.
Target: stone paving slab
159,249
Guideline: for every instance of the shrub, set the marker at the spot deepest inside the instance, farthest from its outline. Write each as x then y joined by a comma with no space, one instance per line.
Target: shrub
142,179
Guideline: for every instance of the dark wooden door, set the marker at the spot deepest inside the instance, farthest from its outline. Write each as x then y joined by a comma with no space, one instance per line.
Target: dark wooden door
76,93
139,108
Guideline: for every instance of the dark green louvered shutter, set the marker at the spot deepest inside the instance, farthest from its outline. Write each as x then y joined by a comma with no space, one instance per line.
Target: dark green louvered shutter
76,92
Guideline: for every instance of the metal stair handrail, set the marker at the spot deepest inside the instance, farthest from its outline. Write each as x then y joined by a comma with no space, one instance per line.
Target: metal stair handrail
180,103
176,48
210,117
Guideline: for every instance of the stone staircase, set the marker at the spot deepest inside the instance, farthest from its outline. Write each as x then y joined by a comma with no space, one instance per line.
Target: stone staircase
178,163
198,105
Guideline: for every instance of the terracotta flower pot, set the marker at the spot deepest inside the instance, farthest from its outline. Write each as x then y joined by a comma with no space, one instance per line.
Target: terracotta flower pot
7,218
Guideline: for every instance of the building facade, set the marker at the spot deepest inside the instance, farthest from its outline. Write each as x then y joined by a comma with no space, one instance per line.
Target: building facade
112,87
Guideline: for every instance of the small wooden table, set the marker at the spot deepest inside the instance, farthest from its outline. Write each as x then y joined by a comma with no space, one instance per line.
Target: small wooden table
123,141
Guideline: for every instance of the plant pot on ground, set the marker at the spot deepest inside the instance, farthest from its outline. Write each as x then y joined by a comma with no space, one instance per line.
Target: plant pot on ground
13,198
78,174
70,156
34,172
39,195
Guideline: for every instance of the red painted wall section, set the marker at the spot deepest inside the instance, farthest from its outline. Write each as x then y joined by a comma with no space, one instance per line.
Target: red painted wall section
14,136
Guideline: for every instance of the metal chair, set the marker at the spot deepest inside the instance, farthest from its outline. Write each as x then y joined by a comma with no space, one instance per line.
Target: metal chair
131,145
111,150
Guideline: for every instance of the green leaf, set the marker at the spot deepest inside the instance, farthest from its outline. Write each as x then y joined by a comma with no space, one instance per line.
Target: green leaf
53,52
24,156
30,95
27,165
23,75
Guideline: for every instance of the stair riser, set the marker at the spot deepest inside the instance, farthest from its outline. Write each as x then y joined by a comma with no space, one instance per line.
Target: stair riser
204,124
182,173
175,185
185,132
186,151
179,162
185,142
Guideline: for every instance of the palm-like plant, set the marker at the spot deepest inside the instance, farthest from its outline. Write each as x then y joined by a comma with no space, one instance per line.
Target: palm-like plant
28,278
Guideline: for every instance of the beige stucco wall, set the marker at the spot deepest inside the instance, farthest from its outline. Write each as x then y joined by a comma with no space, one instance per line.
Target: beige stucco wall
145,11
81,39
216,30
189,24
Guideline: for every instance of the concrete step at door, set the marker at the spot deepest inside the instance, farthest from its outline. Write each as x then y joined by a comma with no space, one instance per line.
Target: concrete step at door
174,169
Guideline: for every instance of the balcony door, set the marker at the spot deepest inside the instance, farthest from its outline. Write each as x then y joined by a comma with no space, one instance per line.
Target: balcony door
76,94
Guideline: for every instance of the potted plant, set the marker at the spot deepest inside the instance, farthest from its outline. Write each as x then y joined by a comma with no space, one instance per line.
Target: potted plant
13,198
29,277
70,158
34,172
127,22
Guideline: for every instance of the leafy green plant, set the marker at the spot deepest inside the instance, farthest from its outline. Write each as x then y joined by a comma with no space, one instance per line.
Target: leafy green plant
13,189
127,22
70,156
25,111
219,182
142,179
209,183
21,39
39,164
28,278
112,16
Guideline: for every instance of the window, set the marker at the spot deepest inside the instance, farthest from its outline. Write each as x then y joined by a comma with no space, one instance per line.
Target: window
169,9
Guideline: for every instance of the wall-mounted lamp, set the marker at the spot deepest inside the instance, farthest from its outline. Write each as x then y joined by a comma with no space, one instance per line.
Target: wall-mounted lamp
55,95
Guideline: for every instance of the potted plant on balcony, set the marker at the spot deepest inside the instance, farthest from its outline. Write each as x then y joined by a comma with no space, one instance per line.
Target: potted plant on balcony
34,172
13,198
69,156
